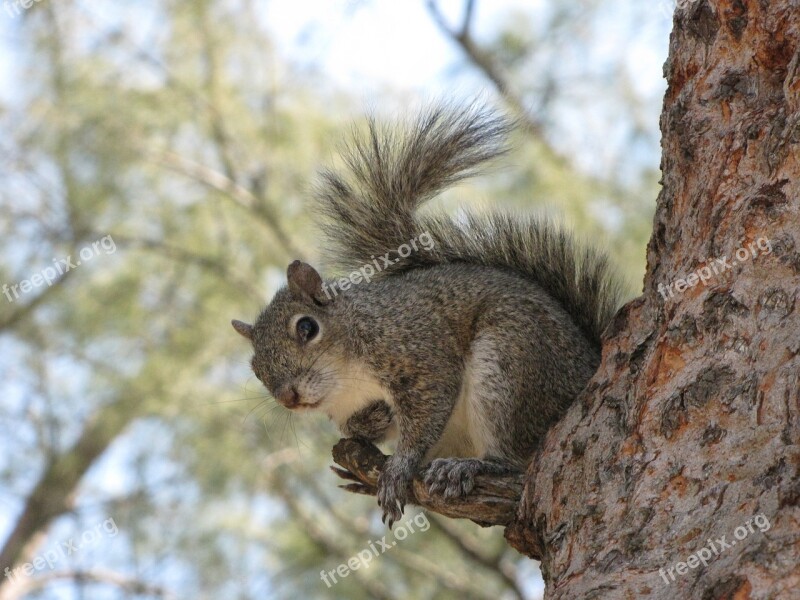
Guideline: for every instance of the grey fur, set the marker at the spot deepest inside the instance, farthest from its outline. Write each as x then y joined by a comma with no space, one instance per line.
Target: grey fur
495,331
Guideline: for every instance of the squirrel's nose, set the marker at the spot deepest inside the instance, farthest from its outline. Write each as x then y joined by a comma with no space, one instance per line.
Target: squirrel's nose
289,397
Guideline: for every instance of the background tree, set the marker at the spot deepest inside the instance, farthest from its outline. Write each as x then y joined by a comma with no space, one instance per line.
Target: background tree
180,130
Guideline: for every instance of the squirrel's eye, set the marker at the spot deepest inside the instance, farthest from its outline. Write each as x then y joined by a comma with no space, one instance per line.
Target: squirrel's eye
307,329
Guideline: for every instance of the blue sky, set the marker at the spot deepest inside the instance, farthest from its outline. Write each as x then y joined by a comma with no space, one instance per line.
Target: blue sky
368,42
366,45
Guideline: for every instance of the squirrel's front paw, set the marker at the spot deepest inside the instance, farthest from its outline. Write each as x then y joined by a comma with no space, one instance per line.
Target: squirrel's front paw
393,483
370,423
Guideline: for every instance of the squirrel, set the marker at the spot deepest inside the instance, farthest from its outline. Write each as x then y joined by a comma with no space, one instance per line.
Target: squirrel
466,347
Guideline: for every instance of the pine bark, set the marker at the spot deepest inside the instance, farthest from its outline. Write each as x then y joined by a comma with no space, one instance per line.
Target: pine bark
690,429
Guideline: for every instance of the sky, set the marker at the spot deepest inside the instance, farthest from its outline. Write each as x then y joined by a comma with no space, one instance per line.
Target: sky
387,49
371,47
363,45
371,44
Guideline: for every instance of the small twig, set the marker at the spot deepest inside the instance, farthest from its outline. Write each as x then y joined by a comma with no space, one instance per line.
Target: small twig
469,10
507,572
487,65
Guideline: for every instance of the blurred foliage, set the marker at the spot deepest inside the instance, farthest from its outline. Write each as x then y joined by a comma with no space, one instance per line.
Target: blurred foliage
125,392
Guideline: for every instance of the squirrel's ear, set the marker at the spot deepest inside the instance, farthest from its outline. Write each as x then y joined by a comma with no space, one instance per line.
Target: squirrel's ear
244,329
305,283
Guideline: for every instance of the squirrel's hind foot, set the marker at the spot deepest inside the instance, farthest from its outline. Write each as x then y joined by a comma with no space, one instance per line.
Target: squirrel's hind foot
455,477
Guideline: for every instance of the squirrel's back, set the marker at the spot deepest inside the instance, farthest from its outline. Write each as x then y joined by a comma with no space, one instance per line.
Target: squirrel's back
370,210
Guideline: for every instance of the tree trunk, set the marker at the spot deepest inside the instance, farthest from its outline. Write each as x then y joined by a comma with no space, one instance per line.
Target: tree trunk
676,473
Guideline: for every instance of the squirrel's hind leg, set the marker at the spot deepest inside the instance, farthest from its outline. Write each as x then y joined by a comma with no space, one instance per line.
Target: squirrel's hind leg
490,396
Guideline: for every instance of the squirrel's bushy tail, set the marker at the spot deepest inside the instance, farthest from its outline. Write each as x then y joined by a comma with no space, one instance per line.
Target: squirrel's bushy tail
371,210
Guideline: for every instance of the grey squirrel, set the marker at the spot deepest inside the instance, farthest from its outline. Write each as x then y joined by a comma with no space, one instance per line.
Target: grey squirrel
467,350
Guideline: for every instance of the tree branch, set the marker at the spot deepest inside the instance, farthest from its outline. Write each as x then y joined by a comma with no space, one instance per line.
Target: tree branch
23,310
469,10
54,492
411,561
332,546
212,264
236,192
506,571
493,501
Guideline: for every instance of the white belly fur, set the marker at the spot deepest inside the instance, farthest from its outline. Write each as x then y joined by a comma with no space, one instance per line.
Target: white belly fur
356,388
466,434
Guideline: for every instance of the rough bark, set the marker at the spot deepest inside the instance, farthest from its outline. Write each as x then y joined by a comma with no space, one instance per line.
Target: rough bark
677,472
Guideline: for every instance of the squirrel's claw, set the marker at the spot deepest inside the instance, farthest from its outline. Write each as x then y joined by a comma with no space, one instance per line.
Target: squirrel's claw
392,509
390,516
